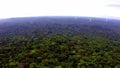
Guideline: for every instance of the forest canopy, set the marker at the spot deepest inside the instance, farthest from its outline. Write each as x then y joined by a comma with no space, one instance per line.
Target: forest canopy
59,43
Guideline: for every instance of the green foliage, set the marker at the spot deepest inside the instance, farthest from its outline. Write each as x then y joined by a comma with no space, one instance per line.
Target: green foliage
59,51
58,67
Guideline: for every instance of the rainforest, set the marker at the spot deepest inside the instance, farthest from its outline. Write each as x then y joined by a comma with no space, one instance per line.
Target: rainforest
59,42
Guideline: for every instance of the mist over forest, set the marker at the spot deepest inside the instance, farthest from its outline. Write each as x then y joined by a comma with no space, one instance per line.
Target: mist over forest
59,25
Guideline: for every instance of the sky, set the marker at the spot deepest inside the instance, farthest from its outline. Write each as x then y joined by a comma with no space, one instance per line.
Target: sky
91,8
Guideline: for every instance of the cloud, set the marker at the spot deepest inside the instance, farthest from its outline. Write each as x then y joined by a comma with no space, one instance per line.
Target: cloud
114,5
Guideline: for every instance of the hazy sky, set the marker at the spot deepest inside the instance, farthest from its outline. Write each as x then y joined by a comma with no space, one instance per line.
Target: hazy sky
94,8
